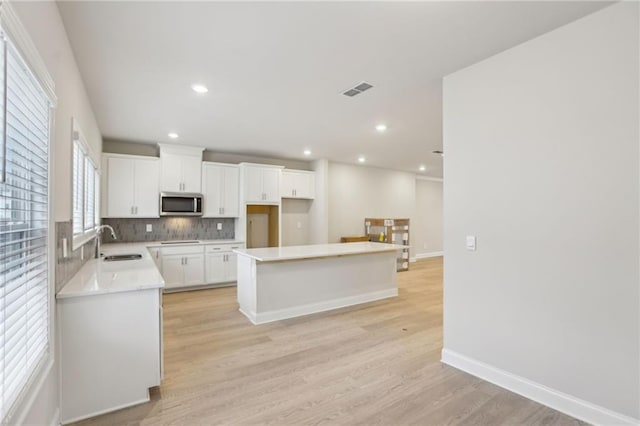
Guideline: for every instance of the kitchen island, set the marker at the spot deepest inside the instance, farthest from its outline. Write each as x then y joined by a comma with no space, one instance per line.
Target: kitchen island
285,282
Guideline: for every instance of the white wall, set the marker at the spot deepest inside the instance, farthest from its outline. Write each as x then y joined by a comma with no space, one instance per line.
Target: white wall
356,192
542,166
295,222
44,25
426,229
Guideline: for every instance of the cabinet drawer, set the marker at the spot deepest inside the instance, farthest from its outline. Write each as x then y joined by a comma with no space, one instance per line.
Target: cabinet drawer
219,248
182,250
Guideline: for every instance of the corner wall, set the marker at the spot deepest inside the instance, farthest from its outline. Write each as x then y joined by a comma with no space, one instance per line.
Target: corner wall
357,192
44,26
426,230
542,166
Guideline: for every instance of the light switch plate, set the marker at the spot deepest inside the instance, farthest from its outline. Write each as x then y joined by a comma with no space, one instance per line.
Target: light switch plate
299,225
149,227
219,226
471,242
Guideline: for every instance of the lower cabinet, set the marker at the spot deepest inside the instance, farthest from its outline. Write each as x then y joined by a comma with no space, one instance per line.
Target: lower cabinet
221,267
183,266
110,351
197,265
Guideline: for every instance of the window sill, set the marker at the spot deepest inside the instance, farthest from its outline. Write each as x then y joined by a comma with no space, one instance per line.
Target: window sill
81,239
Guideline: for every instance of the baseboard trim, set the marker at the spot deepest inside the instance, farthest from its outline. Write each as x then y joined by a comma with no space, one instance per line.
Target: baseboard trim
567,404
427,255
314,308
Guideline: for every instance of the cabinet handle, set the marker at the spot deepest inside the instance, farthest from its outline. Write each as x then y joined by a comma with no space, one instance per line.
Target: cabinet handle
136,209
186,260
223,210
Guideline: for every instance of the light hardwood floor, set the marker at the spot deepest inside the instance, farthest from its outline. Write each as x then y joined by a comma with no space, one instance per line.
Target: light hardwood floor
373,364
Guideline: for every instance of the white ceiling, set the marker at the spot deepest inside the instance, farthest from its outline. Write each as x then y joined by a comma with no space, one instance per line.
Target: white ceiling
275,71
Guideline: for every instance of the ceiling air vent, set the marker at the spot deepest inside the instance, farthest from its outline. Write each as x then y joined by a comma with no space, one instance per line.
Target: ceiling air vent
356,90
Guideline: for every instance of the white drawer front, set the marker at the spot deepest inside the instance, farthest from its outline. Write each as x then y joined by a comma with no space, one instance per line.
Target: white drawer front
195,249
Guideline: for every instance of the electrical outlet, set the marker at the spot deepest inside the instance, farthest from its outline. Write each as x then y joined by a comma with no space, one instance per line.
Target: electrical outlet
219,226
149,227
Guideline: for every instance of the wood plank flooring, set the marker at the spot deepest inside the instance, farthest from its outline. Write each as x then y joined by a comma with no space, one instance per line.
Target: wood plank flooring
373,364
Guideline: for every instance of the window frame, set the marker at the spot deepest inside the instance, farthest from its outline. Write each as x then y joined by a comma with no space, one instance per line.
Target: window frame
79,238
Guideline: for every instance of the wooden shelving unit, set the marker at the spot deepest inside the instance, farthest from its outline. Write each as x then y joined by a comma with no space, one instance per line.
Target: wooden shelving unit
392,231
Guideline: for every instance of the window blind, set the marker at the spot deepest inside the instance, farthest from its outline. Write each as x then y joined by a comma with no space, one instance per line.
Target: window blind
85,189
78,188
24,220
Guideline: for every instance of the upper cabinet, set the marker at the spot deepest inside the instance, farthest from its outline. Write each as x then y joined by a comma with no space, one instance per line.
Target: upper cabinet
261,183
298,184
130,186
180,168
221,189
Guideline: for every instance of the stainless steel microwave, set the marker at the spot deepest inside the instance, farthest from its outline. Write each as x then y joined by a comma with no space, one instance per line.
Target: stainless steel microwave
180,204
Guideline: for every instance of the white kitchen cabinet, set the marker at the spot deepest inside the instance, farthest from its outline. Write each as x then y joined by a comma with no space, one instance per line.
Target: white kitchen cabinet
131,186
261,183
298,184
180,169
221,190
182,266
221,263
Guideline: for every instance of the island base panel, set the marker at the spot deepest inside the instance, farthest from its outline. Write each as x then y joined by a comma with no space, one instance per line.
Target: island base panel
271,291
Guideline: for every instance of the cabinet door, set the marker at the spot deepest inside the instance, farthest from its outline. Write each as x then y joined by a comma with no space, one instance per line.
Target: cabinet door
171,172
253,184
212,178
120,175
172,270
146,188
194,269
215,272
231,267
271,184
191,174
231,192
305,185
288,184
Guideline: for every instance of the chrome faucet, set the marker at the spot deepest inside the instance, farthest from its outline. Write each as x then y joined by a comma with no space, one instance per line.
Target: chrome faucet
99,237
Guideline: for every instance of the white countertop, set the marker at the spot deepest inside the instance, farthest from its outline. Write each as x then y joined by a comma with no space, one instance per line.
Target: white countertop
178,243
100,277
278,254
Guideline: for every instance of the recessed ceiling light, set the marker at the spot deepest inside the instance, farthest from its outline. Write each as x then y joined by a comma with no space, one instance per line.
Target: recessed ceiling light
173,135
423,168
307,152
381,127
199,88
361,159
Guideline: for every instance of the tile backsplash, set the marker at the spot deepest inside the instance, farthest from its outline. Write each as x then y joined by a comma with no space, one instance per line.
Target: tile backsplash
66,267
169,228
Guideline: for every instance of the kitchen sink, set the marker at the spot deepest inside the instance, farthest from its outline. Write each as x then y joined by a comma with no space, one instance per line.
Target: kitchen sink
118,257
